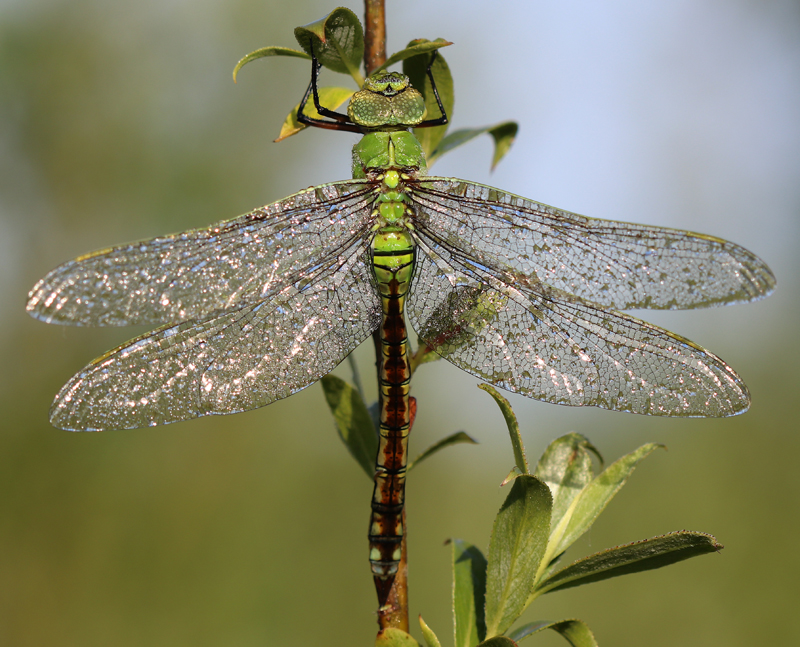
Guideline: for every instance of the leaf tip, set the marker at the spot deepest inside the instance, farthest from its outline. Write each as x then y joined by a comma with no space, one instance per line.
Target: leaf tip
281,137
513,474
236,69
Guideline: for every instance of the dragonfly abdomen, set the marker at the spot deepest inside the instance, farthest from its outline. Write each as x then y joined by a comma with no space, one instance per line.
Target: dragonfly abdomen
393,264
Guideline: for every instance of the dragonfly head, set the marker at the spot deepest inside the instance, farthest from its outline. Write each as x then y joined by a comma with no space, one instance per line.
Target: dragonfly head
387,83
387,100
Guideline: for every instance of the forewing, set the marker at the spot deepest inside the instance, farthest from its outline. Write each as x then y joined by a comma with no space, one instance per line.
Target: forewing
615,264
198,272
552,346
239,360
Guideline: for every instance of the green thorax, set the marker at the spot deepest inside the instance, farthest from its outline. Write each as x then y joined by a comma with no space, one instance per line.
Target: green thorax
381,150
386,107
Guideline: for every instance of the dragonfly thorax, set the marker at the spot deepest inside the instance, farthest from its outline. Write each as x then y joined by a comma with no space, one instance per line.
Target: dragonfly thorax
383,150
387,100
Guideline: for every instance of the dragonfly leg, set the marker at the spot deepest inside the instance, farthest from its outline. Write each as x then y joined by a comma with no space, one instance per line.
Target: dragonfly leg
341,122
439,121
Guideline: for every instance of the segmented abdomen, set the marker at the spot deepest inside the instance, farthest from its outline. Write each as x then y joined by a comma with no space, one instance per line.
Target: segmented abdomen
393,270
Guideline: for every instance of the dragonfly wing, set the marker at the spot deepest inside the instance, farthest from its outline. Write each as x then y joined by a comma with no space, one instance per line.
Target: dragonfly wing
198,272
615,264
550,345
235,361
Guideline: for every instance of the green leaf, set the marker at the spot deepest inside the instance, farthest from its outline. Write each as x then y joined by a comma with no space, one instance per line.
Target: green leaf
267,51
576,632
513,428
503,134
639,556
430,638
328,97
415,68
423,355
513,474
421,47
338,42
498,641
392,637
566,467
519,537
593,499
353,422
457,320
453,439
469,593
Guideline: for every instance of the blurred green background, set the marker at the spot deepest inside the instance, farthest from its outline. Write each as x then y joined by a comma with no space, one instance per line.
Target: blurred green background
120,121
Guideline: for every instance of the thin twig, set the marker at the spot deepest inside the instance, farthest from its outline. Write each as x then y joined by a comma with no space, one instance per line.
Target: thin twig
374,35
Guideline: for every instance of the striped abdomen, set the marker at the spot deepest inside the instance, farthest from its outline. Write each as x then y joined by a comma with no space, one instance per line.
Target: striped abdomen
393,263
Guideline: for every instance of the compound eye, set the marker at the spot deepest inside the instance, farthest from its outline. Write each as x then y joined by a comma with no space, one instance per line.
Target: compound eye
398,81
387,83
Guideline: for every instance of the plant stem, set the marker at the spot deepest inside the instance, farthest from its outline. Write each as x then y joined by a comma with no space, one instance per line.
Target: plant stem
374,35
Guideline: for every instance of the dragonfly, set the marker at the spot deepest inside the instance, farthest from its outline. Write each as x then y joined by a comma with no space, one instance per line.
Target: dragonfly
520,294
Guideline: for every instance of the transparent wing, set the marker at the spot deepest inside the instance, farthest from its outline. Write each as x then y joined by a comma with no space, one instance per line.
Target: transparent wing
236,361
615,264
550,345
195,273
